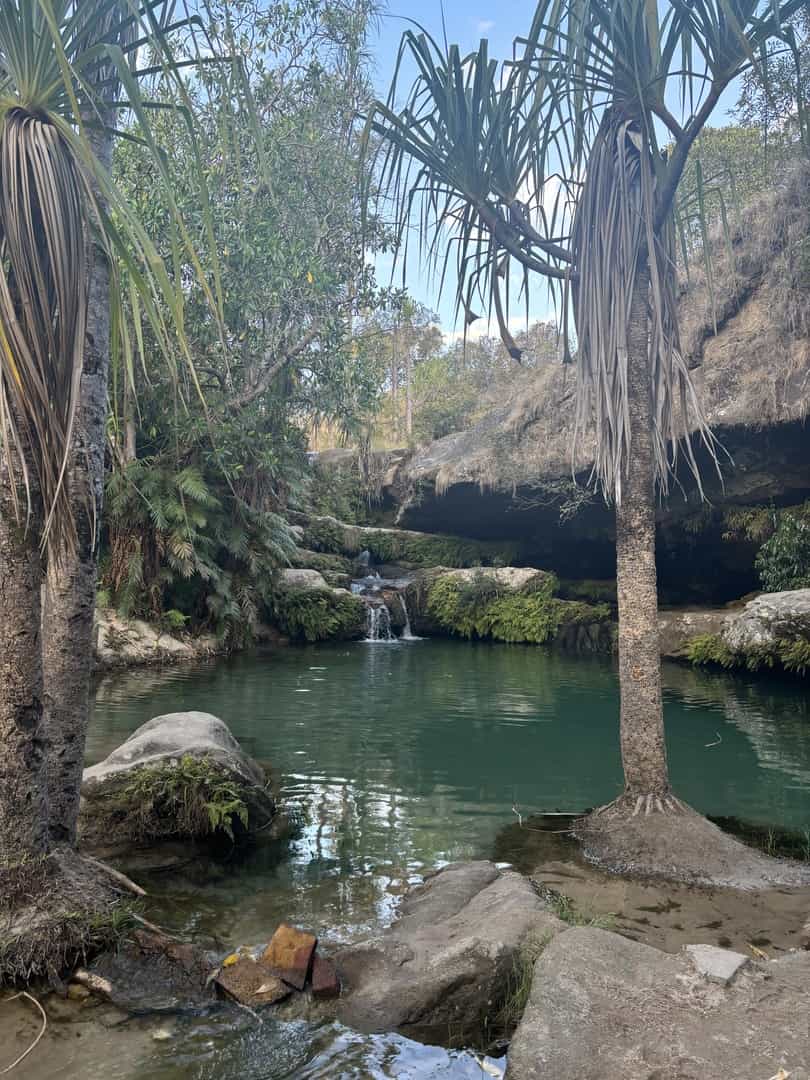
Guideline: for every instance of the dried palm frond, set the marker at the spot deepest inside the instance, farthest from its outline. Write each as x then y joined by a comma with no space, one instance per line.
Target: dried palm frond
65,66
604,103
45,197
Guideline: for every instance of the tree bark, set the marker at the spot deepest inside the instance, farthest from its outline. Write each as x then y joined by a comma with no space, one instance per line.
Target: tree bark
408,392
23,782
70,598
644,755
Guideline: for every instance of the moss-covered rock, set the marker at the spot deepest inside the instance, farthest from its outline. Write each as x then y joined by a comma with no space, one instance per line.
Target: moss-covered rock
318,614
327,535
712,650
324,562
510,605
179,775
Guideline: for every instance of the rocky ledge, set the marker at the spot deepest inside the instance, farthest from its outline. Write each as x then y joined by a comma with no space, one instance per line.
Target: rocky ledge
443,971
603,1007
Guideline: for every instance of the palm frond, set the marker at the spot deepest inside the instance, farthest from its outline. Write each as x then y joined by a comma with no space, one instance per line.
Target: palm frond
588,105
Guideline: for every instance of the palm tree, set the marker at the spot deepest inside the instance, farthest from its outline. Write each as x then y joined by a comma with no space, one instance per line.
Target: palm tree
65,66
564,163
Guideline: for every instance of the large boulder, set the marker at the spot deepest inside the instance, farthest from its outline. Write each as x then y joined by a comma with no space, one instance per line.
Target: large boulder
768,620
182,774
603,1007
293,578
510,603
119,642
444,968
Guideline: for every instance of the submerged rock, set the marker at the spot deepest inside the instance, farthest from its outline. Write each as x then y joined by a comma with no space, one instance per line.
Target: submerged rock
249,982
182,774
606,1008
444,969
151,972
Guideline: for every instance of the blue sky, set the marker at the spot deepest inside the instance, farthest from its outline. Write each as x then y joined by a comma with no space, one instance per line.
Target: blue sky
466,21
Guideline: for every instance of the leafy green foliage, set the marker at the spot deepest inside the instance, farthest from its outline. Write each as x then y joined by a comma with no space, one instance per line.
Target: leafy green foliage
481,608
181,547
423,550
709,649
317,614
783,561
793,655
191,798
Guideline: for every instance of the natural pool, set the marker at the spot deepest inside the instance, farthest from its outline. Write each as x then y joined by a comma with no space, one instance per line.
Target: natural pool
393,759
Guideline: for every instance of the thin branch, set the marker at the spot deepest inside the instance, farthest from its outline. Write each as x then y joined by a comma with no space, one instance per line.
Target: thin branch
247,397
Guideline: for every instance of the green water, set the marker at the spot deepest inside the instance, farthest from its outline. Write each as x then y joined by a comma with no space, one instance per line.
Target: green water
395,758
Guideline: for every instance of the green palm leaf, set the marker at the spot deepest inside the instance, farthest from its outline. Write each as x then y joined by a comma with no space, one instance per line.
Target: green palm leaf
63,65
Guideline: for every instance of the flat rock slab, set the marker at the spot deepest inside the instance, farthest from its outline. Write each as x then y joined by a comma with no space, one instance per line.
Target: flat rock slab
443,969
603,1007
289,955
719,965
250,983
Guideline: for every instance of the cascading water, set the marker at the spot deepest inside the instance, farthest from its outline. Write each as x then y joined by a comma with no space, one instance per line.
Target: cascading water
378,623
407,633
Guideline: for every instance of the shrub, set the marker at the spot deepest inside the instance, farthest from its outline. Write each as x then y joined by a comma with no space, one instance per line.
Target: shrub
317,614
784,560
481,608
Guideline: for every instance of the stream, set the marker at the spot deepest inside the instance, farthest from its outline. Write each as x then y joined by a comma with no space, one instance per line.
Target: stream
391,760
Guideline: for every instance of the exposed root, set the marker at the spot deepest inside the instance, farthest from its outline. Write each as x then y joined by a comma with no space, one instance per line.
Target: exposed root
117,876
656,802
35,1043
55,911
655,835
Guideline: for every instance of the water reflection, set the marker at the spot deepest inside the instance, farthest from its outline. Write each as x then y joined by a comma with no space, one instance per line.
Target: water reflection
394,760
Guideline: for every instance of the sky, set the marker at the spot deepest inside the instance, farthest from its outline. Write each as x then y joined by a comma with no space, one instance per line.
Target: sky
466,22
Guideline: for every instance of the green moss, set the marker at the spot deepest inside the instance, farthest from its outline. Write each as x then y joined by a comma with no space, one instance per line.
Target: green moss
318,614
710,650
323,562
421,550
481,608
426,551
326,535
192,797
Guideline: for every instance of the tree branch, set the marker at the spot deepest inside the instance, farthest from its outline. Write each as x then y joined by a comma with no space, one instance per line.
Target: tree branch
248,396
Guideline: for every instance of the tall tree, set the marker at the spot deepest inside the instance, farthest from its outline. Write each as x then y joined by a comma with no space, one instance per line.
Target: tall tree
566,162
55,193
72,574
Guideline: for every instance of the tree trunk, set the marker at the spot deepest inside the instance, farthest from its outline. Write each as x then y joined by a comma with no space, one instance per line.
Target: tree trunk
408,393
644,753
71,585
23,782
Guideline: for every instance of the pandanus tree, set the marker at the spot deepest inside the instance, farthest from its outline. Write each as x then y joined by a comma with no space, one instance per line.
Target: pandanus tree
563,165
68,69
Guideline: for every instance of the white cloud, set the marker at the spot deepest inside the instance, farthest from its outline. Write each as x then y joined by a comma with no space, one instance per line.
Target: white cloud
485,25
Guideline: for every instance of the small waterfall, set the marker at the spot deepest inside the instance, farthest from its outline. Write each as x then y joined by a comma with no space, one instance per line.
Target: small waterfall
378,623
407,633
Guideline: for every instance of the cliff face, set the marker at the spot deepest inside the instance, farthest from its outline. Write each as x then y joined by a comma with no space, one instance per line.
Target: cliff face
511,476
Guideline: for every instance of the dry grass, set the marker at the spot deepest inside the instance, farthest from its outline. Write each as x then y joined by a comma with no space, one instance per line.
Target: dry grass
754,372
55,911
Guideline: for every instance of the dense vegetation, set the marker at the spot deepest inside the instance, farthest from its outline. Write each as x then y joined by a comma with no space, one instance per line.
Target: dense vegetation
205,460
